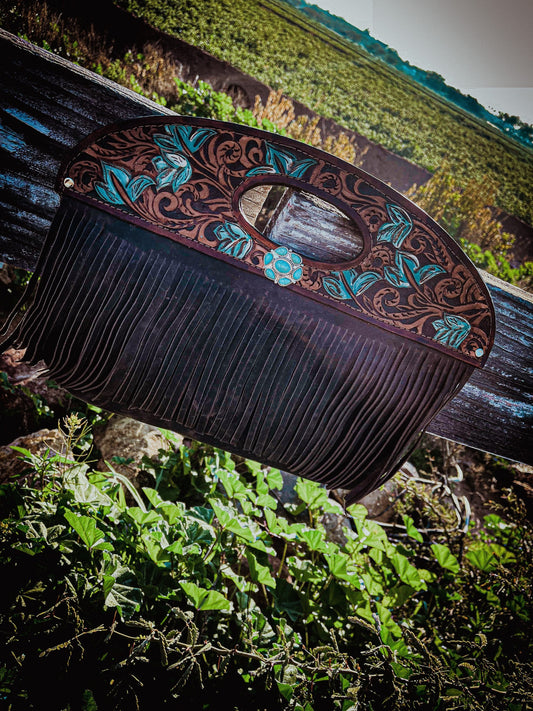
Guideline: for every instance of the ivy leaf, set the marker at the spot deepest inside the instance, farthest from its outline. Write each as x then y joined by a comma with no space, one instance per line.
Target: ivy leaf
315,539
120,593
203,514
259,573
315,496
357,511
412,531
406,572
267,502
482,558
143,518
276,524
398,595
337,563
274,479
223,513
286,690
155,550
373,581
86,529
287,600
445,557
203,599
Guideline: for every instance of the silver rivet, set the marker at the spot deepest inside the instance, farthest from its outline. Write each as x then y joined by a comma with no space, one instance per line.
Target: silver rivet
68,183
479,352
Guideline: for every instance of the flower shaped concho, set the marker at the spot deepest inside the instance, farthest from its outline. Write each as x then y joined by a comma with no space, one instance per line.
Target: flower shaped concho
283,266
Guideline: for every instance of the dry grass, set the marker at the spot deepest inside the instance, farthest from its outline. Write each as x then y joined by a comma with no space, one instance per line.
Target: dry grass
152,72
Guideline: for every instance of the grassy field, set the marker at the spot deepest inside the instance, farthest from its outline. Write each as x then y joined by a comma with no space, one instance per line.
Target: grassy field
270,41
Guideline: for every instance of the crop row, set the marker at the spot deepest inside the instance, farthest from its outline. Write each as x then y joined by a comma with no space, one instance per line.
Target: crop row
270,42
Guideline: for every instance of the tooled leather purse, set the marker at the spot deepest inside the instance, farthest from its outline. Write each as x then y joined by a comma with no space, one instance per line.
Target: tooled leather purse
156,296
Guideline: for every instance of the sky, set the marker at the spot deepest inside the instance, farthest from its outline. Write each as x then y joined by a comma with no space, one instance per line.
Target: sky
481,47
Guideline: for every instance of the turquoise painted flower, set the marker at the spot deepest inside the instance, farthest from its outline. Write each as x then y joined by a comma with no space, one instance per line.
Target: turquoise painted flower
172,166
283,266
397,229
173,169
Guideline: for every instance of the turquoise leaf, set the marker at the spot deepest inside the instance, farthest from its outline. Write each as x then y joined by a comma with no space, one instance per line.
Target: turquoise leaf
282,162
359,283
335,287
107,189
190,137
171,172
279,159
451,330
261,170
137,186
132,187
183,138
299,167
408,264
397,229
428,272
233,240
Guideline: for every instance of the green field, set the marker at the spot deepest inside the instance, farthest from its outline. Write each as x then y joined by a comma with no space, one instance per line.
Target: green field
284,49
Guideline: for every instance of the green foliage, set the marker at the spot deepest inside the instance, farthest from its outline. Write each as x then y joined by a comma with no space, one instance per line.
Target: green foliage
465,213
499,266
206,585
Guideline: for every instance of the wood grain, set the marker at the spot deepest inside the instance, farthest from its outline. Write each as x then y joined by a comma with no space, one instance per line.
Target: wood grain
47,105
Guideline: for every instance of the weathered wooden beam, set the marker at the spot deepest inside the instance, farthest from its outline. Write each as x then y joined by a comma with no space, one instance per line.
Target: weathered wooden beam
48,104
494,410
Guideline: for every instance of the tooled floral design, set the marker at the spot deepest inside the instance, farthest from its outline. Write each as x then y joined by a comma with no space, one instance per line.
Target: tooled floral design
172,165
183,177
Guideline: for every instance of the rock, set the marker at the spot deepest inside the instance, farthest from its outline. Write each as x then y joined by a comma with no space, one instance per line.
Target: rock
13,467
380,501
28,398
130,440
334,525
288,495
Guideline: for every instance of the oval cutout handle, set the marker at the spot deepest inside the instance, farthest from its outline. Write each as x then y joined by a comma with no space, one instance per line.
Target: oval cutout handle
281,211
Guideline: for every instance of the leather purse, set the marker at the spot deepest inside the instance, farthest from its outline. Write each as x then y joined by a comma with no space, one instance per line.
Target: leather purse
156,296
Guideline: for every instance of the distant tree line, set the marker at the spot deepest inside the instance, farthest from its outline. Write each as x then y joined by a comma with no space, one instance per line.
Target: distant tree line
511,125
